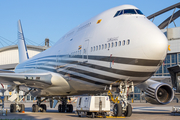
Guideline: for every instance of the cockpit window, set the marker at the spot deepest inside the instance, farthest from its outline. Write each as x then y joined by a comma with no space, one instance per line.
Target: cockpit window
118,13
139,12
128,11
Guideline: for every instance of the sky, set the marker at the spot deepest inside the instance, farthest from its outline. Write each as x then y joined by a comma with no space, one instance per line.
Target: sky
53,18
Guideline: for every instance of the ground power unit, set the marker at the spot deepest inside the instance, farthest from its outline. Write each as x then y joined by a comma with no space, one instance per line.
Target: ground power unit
93,106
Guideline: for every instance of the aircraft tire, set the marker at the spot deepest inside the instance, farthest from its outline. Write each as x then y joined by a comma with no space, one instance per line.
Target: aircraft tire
35,108
128,111
43,106
13,108
70,108
117,110
60,108
22,106
63,108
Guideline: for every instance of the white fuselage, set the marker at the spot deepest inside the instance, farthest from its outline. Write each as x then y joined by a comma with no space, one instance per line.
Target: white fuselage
101,51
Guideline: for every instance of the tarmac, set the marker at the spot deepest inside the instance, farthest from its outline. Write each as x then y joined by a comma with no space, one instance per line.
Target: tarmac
141,111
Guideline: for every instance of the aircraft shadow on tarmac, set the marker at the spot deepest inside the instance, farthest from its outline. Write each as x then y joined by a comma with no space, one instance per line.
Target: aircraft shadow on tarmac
29,115
22,116
148,109
156,113
29,109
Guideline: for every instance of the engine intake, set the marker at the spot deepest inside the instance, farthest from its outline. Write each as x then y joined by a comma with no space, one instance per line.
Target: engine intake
159,93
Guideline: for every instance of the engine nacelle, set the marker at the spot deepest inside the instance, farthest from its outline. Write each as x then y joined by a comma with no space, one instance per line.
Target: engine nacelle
159,93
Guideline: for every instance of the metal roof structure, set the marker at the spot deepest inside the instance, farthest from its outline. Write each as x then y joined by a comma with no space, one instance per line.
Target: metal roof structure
170,19
28,46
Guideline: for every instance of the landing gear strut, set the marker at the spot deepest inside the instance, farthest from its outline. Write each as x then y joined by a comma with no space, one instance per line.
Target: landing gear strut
122,106
64,107
18,107
39,107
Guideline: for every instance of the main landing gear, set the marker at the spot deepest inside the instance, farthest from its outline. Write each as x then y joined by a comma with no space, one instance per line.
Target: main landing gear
122,106
64,107
16,106
39,107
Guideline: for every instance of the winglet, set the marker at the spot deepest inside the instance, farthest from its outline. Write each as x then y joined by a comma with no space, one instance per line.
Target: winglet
23,54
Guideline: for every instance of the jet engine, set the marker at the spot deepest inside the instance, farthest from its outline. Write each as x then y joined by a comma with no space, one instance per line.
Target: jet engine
159,93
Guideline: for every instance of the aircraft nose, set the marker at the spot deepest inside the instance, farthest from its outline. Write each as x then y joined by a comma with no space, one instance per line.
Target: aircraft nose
156,46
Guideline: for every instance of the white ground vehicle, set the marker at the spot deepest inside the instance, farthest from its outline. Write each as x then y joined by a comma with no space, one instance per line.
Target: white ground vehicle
93,106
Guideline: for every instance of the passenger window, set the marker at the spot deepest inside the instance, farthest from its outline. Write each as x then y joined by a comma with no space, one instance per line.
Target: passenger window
96,48
124,42
84,51
91,49
109,45
80,52
105,46
112,45
119,43
128,42
102,46
115,44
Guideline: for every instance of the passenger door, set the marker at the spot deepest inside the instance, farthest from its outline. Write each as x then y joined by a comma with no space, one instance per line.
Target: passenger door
85,50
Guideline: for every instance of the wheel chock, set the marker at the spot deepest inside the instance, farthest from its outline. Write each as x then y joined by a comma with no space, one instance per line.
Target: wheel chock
114,117
110,117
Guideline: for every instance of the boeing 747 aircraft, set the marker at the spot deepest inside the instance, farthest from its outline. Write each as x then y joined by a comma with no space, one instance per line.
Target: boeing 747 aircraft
114,50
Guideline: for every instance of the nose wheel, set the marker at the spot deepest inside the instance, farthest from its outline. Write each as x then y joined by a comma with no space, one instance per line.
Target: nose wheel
121,104
117,110
128,111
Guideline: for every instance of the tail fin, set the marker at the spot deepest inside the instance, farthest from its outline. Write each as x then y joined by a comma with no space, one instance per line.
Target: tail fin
23,54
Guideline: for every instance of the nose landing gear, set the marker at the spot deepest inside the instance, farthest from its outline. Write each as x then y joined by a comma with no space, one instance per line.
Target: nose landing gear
121,104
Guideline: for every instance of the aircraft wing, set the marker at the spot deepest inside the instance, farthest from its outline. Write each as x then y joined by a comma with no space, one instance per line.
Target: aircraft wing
6,71
33,80
164,79
160,77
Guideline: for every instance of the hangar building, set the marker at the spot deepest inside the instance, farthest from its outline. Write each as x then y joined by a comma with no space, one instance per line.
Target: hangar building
9,56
